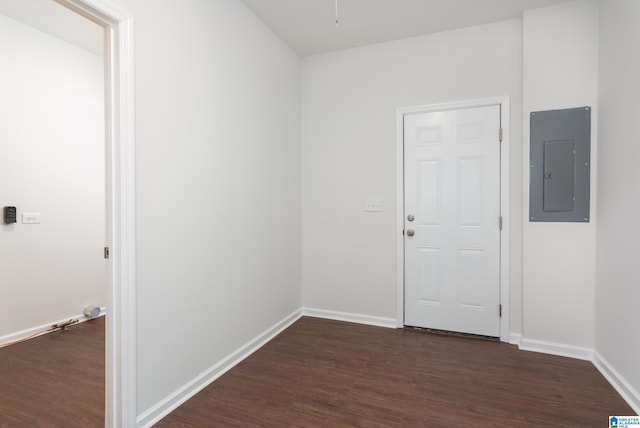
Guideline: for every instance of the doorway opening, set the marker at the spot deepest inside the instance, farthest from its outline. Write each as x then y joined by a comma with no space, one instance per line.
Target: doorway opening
119,200
120,362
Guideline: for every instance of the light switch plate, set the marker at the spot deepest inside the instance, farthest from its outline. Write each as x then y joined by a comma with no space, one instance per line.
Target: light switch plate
373,205
31,218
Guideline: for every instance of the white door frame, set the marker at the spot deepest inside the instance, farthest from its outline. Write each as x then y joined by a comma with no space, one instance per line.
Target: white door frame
120,363
503,102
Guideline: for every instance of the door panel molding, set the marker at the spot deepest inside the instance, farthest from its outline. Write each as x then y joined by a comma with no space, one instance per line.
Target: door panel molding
468,232
503,102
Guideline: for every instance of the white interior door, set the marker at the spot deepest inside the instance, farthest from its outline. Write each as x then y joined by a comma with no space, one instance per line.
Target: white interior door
452,213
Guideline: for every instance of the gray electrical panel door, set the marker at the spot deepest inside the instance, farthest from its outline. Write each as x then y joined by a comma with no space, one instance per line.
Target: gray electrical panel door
560,165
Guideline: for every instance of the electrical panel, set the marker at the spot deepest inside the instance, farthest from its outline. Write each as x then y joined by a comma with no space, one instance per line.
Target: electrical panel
560,165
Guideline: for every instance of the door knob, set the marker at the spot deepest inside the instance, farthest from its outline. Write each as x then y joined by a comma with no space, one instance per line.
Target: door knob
410,232
410,217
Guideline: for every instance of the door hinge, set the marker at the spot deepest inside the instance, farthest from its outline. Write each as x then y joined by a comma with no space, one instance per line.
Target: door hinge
500,134
500,310
500,222
106,252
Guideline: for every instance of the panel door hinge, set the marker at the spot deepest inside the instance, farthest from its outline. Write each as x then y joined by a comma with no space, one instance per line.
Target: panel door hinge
500,222
106,252
500,310
500,134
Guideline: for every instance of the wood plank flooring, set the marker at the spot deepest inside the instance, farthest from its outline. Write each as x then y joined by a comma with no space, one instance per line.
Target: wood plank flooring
321,373
55,380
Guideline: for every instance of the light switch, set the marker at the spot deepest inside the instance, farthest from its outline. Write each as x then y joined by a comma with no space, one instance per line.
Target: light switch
373,205
31,218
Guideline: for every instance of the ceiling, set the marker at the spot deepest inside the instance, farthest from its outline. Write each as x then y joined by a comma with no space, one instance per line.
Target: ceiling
308,26
56,20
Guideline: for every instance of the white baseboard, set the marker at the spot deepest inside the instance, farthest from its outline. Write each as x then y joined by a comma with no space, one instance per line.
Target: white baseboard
628,392
559,349
181,395
515,339
350,317
33,330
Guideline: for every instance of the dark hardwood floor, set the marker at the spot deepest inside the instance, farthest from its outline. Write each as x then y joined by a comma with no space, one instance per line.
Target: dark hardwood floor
55,380
321,373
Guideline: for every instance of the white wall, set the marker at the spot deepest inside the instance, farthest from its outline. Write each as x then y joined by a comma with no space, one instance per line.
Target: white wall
52,162
560,62
618,236
349,107
218,186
